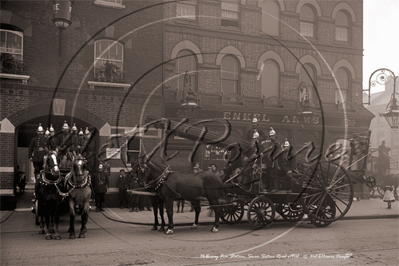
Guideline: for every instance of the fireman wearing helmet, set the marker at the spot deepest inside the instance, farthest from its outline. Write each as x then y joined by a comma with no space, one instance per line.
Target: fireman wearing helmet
287,164
272,163
251,161
37,150
52,139
63,146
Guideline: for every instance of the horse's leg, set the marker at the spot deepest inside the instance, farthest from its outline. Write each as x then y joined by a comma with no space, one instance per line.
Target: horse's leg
42,232
71,218
169,211
215,206
57,235
85,217
155,210
161,206
48,216
197,208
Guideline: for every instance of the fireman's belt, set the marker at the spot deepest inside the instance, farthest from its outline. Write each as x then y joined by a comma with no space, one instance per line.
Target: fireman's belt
41,149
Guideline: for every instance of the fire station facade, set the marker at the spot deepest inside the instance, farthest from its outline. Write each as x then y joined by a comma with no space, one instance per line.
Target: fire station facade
239,60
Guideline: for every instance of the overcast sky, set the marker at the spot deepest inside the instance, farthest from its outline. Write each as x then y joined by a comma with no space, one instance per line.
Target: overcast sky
380,38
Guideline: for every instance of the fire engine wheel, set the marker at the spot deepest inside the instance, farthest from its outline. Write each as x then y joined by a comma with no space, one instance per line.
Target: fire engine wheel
327,186
232,214
370,181
261,212
291,212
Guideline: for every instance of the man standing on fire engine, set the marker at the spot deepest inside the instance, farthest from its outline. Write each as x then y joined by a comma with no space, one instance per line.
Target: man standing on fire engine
272,163
37,150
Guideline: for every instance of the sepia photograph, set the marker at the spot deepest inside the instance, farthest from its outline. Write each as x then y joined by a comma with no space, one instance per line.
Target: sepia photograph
199,132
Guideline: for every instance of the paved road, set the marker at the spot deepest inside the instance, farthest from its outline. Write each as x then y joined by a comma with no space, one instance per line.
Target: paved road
347,242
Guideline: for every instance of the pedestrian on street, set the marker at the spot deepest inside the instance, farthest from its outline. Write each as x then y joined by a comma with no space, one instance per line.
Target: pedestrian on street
388,196
182,205
122,186
101,185
134,185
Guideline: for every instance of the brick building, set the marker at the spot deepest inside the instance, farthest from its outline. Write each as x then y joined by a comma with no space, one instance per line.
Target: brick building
248,59
64,77
243,59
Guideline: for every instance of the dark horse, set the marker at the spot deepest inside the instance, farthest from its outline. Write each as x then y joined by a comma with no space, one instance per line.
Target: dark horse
48,196
79,194
156,202
171,185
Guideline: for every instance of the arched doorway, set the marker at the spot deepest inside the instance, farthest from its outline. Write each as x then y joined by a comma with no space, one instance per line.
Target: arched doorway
26,131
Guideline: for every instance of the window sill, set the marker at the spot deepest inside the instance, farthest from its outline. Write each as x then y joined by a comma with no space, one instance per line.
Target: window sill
343,43
93,84
15,76
186,21
108,4
230,28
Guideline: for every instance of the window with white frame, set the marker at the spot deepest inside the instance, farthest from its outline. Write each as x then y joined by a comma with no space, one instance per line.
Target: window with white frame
133,149
342,94
307,21
186,9
230,75
113,1
342,26
230,13
108,60
11,42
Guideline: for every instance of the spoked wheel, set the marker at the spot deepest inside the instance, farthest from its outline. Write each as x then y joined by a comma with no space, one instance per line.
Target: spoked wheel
261,212
380,191
291,212
233,213
370,181
328,192
318,214
37,222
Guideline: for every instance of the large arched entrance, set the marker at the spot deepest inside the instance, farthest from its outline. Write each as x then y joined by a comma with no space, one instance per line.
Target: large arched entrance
27,130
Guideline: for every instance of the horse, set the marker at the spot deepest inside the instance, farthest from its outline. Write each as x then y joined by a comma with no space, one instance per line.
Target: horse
156,202
79,181
48,196
171,185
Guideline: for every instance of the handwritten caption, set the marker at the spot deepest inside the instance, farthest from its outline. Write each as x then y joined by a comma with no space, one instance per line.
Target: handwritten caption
277,256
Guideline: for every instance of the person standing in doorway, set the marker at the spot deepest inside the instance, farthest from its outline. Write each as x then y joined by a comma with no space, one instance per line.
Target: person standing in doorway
121,184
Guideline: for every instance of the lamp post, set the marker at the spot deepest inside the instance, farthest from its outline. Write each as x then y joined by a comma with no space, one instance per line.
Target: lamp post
392,110
62,18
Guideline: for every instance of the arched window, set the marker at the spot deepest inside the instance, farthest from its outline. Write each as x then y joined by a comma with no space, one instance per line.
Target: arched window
230,73
343,78
304,77
342,26
11,42
270,79
108,61
187,61
307,21
271,18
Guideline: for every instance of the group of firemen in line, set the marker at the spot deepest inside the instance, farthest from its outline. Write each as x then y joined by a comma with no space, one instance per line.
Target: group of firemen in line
275,165
65,144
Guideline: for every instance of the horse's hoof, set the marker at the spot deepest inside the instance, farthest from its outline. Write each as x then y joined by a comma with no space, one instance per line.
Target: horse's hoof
82,235
194,226
161,229
49,237
169,232
42,232
57,237
214,230
154,228
72,236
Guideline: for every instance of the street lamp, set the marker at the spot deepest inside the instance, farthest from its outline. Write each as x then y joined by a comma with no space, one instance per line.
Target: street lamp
189,107
306,115
392,110
62,13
